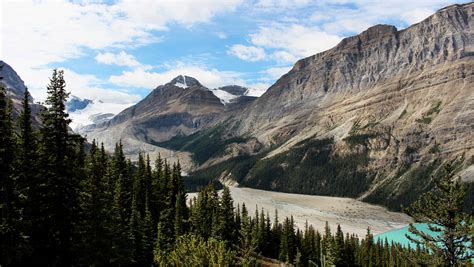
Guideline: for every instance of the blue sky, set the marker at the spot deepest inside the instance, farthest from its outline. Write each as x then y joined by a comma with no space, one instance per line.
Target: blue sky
118,51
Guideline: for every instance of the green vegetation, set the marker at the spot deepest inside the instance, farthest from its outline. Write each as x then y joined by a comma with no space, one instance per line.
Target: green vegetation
405,188
428,116
203,145
310,168
238,167
441,208
63,206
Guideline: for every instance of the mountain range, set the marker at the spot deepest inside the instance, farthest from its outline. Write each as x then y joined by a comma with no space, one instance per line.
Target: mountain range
374,118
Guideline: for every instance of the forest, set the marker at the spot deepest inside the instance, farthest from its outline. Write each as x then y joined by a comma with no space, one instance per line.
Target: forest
68,203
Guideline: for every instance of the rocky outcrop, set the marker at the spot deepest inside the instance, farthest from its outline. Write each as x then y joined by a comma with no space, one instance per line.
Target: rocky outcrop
235,90
393,105
181,107
15,88
75,103
403,97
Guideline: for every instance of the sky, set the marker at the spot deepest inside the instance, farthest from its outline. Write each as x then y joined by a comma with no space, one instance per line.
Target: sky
118,51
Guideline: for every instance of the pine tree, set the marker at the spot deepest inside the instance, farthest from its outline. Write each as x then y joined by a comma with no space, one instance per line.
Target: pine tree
148,236
135,234
121,252
10,230
442,210
339,246
95,216
60,156
166,229
27,152
140,183
157,191
226,217
181,210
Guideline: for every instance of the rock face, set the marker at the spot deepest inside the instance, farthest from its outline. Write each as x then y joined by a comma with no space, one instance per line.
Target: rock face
15,88
393,105
236,90
405,98
75,103
183,106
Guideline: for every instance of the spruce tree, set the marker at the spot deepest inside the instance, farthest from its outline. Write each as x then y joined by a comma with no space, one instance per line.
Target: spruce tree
119,225
226,217
60,157
148,239
10,228
442,210
95,212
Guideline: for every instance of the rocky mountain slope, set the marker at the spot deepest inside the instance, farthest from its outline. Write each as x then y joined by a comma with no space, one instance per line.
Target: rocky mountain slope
374,117
181,107
75,103
15,88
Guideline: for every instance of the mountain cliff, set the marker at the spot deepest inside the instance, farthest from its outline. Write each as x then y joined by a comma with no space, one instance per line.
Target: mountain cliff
15,88
181,107
374,117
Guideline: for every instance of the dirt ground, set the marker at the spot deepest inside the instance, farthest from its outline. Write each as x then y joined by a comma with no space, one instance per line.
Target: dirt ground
354,216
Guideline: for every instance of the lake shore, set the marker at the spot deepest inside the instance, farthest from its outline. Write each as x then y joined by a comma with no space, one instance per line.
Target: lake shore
353,215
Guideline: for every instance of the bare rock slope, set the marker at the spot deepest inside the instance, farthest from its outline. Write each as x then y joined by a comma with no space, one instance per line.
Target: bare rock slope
374,117
388,107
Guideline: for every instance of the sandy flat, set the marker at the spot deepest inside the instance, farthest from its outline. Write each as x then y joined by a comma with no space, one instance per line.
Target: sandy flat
354,216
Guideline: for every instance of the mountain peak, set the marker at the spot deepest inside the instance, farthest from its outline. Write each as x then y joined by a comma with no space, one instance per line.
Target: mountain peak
184,81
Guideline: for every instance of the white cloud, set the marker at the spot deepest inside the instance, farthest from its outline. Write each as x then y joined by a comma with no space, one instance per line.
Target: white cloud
298,40
211,78
120,59
81,85
365,13
43,32
284,57
277,72
271,5
247,53
289,43
157,14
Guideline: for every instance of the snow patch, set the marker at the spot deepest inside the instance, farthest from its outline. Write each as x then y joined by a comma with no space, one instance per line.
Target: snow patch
85,116
223,96
182,84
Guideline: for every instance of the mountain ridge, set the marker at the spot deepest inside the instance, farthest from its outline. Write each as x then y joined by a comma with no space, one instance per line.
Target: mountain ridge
372,118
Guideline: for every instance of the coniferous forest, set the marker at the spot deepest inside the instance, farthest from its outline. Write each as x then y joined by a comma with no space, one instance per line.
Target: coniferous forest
67,203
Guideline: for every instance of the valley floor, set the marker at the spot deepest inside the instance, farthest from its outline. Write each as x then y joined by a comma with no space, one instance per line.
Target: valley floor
353,215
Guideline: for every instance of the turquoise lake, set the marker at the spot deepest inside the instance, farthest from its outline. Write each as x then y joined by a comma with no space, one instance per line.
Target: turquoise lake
398,235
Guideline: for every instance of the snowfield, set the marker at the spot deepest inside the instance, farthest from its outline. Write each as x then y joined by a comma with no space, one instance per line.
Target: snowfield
353,215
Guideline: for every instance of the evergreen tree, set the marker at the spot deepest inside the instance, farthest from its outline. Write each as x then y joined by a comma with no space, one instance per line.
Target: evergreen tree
181,210
10,231
140,183
60,159
135,235
339,246
148,238
95,216
121,254
288,242
226,217
442,210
